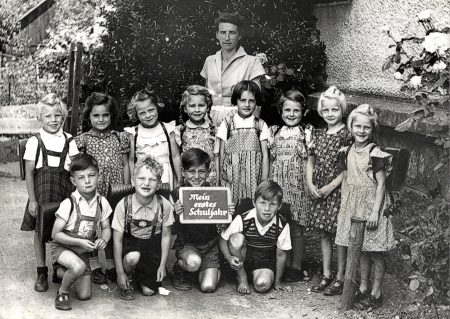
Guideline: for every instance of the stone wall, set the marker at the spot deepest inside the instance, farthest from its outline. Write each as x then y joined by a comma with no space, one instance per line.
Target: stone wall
355,46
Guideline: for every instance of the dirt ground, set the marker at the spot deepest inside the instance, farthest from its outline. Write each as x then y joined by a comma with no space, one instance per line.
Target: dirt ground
19,300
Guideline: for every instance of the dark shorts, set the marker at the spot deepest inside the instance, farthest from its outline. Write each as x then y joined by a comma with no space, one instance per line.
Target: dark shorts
208,252
57,249
149,261
257,258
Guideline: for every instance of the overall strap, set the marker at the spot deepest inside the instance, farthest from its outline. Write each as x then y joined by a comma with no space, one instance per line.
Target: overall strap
160,208
168,145
135,143
127,202
41,146
98,215
229,125
257,125
277,229
65,151
76,227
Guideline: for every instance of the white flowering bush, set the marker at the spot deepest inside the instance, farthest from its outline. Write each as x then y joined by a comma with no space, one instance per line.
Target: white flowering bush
423,67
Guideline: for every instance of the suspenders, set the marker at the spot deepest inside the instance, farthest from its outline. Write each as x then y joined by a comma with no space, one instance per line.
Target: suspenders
140,223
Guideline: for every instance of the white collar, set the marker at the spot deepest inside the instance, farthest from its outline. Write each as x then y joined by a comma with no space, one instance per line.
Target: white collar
78,197
238,118
252,214
59,133
136,205
205,124
287,131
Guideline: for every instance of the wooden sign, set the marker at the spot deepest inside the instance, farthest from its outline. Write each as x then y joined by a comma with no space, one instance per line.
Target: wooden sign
205,205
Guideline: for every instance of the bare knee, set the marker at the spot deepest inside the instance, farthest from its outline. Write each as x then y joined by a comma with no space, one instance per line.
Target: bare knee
208,286
237,241
77,268
262,284
192,262
147,291
132,258
85,295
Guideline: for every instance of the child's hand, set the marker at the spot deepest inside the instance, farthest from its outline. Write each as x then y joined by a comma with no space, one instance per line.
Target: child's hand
161,273
33,208
314,191
372,221
325,191
122,281
87,245
235,263
100,244
278,286
231,208
178,207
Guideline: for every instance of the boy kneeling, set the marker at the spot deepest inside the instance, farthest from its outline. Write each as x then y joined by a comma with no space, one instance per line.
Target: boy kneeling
141,232
256,242
78,222
196,244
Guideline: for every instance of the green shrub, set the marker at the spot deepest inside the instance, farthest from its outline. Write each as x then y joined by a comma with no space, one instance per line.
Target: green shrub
163,44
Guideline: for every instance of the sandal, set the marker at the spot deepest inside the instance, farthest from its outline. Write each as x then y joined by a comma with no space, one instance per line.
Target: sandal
334,289
62,301
98,277
127,294
370,303
324,283
359,296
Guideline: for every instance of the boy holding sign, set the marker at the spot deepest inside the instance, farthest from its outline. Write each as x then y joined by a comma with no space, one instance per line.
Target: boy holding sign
196,244
256,242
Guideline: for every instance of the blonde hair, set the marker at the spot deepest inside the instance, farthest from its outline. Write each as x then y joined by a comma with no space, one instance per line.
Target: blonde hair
140,96
332,93
52,100
150,163
367,111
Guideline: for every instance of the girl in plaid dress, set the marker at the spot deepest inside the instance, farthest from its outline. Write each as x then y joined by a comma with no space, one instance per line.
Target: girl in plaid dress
288,166
110,148
243,154
198,131
47,160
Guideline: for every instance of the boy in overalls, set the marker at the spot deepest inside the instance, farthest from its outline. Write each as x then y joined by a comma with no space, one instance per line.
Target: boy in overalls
141,231
79,221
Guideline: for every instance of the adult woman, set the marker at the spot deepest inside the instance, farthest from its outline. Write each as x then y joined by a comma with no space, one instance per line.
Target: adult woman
228,66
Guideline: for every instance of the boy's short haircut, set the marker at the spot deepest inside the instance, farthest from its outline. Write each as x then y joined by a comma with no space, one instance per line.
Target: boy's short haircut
269,190
243,86
52,100
82,161
194,157
150,163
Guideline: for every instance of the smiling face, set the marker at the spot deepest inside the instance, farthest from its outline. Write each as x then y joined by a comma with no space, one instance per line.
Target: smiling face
266,209
362,129
228,36
86,181
147,113
51,119
195,176
291,113
146,182
331,112
246,104
196,109
100,118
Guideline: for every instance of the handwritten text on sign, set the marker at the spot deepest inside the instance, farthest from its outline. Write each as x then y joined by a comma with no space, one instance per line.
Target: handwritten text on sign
205,205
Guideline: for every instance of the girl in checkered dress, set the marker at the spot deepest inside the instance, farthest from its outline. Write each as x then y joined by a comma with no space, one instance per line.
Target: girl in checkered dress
47,160
243,154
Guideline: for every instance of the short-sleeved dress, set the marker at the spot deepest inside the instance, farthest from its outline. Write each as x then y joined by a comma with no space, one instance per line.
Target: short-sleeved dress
153,141
325,148
202,137
358,196
107,148
289,153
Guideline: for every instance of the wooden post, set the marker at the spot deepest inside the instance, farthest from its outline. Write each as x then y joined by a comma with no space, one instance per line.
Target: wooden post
353,257
73,88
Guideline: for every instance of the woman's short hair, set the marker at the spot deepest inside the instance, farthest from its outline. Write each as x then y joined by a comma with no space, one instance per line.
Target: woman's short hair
269,190
333,93
243,86
227,17
150,163
291,95
365,110
52,100
140,96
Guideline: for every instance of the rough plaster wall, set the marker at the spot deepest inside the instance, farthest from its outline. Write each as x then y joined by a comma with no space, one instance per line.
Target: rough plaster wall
356,47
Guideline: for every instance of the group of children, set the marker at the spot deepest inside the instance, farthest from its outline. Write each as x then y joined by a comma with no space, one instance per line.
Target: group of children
295,178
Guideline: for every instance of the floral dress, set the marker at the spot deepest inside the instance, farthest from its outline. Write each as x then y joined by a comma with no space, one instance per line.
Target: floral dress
107,148
288,150
358,196
202,137
325,148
